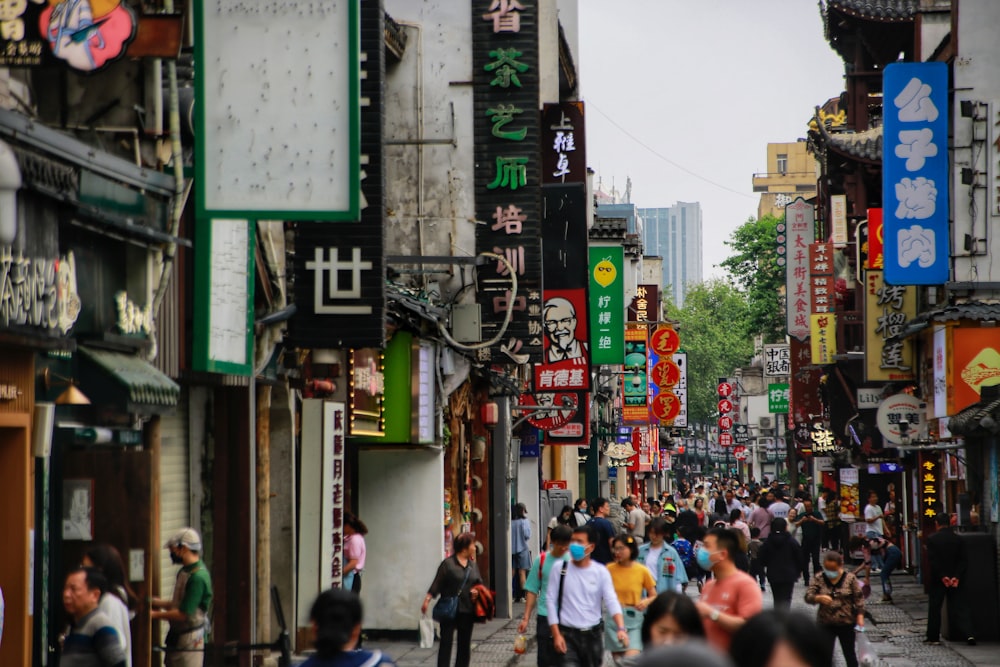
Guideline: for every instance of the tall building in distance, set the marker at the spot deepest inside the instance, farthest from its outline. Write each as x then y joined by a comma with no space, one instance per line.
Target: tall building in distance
675,234
791,173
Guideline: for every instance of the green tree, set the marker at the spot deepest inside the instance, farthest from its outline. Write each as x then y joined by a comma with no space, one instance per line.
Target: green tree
753,264
715,333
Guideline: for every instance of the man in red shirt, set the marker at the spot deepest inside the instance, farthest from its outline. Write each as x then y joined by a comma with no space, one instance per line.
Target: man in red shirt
731,596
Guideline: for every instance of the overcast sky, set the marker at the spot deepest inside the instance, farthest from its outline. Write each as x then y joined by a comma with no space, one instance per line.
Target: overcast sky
706,84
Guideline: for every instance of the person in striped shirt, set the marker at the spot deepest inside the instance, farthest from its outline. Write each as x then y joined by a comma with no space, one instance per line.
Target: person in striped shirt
91,639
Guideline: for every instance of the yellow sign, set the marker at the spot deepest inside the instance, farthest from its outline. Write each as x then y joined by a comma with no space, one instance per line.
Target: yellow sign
823,337
887,310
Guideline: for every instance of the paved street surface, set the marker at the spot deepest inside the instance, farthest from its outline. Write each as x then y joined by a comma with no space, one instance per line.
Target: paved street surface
897,636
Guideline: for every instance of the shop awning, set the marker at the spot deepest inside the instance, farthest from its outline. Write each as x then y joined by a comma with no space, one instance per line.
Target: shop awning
126,382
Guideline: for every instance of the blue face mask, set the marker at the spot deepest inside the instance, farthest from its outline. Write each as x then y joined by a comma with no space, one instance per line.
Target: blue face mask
704,558
831,574
577,551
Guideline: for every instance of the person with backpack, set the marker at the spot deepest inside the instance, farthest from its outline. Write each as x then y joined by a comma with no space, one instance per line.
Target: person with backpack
684,547
605,530
536,587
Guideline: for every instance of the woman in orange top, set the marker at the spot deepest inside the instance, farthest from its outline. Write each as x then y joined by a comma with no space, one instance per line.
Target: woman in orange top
636,588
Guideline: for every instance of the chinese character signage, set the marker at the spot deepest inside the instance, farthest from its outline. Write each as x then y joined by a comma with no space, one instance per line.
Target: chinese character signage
821,277
928,482
975,364
565,318
508,169
887,310
838,220
777,361
645,306
823,338
805,402
564,156
576,430
635,386
335,417
915,173
777,398
607,306
800,218
876,234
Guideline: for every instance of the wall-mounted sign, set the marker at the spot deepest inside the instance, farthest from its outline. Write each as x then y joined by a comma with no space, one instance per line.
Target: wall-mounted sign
887,310
915,173
38,293
567,354
506,126
940,376
133,319
564,155
680,391
869,398
777,361
224,287
899,408
334,418
823,339
800,218
929,479
645,304
838,220
576,429
278,145
821,277
366,392
876,239
635,386
975,363
607,306
777,398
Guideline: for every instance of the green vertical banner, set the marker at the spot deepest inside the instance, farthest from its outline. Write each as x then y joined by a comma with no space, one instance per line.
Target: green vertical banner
607,306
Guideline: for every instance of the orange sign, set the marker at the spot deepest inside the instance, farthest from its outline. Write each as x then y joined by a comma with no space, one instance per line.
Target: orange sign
975,364
666,374
666,407
665,341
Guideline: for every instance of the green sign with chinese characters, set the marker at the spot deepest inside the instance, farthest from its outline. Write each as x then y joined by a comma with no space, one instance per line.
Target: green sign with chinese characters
777,398
607,306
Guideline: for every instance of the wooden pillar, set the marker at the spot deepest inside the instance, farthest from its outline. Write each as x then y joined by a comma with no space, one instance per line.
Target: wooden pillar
263,512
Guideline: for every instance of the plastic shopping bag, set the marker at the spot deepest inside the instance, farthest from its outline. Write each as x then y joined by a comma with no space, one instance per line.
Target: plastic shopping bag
426,632
865,650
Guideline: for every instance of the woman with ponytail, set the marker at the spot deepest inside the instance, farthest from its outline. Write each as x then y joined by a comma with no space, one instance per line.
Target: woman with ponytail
336,621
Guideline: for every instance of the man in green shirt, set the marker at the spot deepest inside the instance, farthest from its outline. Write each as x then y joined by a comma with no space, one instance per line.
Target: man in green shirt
535,585
187,612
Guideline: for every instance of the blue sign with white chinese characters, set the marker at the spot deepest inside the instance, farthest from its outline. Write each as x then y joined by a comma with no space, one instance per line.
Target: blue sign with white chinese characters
915,173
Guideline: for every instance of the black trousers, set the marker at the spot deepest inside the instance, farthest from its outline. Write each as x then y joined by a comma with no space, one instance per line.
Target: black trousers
463,624
845,633
831,537
547,656
782,593
584,648
810,551
959,620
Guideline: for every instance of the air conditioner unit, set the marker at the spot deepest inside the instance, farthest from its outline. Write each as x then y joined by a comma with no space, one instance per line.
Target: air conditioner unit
766,423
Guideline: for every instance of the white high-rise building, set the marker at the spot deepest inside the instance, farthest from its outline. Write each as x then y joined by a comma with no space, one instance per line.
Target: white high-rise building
675,234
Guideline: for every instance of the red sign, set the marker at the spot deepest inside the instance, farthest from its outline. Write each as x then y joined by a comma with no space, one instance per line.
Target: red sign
666,406
725,390
665,374
665,341
567,359
740,452
876,258
726,439
725,422
558,415
725,405
555,484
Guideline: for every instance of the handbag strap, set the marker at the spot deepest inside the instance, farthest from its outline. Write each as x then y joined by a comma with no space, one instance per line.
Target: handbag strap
562,580
468,571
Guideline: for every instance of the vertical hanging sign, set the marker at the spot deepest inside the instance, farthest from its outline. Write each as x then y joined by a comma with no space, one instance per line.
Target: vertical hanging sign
915,173
635,386
887,310
607,306
507,181
334,416
799,217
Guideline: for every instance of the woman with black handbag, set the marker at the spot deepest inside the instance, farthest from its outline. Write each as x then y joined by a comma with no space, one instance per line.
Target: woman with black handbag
456,575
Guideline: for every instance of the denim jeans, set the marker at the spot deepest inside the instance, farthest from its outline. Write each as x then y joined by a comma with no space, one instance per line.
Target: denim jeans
877,561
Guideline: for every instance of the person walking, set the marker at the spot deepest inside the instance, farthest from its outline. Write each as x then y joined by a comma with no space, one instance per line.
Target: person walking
731,596
536,588
841,605
456,575
760,518
574,598
636,520
336,624
605,531
810,523
520,534
635,588
354,552
580,515
662,559
187,612
833,526
946,581
875,527
115,600
781,558
564,518
90,640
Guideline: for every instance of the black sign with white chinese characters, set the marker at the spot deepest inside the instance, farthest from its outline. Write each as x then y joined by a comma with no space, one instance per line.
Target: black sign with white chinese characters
507,180
339,267
564,156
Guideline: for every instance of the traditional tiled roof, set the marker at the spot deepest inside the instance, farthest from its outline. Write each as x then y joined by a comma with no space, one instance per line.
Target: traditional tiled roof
877,9
609,228
972,310
979,419
865,145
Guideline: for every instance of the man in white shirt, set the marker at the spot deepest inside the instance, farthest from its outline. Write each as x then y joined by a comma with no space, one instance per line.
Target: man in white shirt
635,520
875,528
574,598
779,508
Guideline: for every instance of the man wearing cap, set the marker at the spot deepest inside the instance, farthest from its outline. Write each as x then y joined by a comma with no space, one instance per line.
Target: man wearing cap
187,612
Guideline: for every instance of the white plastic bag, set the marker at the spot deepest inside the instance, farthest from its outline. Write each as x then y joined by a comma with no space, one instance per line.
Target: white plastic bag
865,650
426,632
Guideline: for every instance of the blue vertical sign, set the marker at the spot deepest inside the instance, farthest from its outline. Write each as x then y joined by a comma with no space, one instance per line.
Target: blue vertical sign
915,173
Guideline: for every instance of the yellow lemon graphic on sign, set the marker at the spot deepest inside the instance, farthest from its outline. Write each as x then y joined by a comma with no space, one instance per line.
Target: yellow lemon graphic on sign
983,371
605,272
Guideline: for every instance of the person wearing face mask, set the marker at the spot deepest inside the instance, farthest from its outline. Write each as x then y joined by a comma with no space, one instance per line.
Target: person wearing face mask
662,559
188,611
841,605
536,587
731,596
574,597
